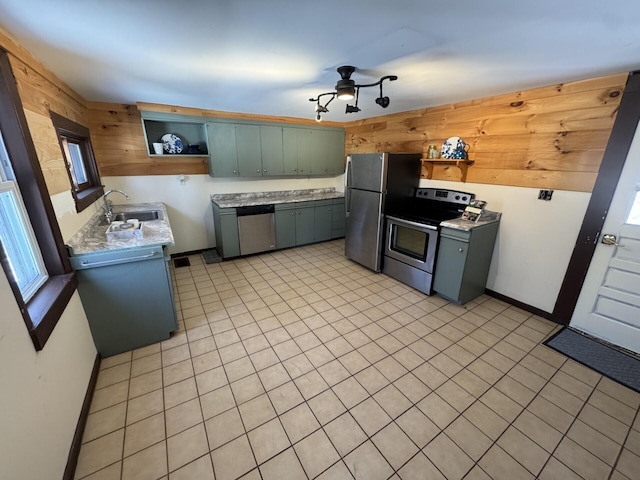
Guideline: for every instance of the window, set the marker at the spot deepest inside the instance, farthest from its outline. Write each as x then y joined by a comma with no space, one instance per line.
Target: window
81,165
16,235
32,252
634,215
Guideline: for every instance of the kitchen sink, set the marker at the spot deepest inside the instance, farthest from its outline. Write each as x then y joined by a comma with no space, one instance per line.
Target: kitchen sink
143,216
140,215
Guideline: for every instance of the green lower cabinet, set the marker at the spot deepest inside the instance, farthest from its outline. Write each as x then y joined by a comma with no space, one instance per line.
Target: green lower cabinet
225,223
323,217
305,224
297,223
337,218
286,228
464,258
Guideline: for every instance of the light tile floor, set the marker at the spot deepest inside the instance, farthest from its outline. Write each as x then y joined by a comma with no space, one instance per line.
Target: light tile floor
302,364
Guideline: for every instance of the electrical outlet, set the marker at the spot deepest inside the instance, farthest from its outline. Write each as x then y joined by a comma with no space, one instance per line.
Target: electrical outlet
545,195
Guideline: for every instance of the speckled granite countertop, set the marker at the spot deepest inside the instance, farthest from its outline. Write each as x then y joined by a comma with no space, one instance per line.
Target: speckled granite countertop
459,224
230,200
92,238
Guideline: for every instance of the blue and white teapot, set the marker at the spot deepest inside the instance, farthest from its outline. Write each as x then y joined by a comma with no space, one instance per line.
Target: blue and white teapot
454,148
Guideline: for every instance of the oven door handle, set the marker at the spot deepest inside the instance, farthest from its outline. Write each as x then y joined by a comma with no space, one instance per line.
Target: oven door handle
402,221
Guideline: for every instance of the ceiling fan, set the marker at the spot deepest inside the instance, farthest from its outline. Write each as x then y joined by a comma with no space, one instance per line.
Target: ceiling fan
347,89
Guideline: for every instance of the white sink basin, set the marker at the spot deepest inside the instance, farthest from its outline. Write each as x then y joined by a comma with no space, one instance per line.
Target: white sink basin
124,230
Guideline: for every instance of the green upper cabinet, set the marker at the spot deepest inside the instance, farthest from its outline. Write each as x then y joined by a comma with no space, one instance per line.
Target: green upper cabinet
272,149
290,150
239,148
223,153
255,150
313,151
335,152
249,150
305,149
326,152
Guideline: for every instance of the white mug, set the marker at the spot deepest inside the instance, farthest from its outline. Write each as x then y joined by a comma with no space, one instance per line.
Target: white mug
158,148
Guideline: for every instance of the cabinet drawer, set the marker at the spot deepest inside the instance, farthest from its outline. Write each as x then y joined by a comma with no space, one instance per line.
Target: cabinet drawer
456,234
285,206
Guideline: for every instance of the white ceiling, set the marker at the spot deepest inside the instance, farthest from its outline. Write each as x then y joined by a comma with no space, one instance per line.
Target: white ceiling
271,56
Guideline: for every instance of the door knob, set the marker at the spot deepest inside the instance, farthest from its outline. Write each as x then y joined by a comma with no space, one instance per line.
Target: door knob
609,239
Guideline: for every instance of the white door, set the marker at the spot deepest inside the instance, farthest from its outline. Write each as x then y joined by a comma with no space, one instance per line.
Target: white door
609,302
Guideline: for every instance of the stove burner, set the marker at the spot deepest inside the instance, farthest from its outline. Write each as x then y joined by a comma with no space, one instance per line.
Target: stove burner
430,206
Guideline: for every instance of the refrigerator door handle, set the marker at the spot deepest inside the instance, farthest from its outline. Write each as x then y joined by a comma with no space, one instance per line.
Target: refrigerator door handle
347,184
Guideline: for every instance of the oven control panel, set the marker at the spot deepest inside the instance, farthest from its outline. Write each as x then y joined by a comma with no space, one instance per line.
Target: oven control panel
443,195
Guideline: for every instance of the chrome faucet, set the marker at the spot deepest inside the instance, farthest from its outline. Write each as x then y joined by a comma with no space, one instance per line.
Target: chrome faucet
108,214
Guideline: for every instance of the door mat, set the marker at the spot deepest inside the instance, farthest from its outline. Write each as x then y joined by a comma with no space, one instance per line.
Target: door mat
211,256
610,362
181,262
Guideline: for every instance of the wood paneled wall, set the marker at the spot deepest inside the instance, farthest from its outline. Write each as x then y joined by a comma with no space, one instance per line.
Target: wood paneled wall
552,137
120,149
40,92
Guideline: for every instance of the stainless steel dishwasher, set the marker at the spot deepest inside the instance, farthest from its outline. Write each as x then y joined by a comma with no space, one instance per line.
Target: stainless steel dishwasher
256,228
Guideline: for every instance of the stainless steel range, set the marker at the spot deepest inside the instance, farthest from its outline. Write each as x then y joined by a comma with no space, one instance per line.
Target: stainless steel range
412,231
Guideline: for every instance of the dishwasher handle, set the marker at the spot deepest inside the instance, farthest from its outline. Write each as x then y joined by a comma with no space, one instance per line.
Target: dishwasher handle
88,264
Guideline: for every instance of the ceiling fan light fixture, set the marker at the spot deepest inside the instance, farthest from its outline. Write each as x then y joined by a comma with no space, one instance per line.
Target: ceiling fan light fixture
347,89
383,101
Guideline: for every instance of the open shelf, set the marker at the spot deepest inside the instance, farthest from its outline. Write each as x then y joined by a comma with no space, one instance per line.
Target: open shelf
463,165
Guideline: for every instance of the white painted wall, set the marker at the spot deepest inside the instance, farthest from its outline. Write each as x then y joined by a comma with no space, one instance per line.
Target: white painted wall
42,392
535,239
189,205
68,219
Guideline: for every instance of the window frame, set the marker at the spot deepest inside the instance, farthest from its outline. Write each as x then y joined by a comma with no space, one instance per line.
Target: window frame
28,247
67,130
43,311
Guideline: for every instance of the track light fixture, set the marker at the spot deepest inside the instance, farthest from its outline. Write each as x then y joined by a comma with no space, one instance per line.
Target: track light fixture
322,108
347,89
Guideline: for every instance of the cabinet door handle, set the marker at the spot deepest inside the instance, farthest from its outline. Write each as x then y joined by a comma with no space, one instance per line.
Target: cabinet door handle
265,170
299,213
258,170
235,171
460,250
87,263
293,213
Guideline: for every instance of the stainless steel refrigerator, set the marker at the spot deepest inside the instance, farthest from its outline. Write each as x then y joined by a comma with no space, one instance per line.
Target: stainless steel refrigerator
372,181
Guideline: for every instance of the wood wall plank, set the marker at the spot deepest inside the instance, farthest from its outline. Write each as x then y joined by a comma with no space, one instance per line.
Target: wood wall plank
41,92
199,112
120,148
550,137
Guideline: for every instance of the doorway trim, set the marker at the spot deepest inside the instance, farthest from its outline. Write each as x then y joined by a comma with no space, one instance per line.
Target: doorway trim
615,155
